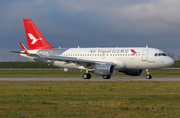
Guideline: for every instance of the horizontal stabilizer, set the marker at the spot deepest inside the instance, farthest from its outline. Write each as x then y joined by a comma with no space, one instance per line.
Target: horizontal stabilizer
15,51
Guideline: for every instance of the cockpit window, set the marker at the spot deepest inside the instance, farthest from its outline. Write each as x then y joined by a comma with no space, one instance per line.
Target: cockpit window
160,54
164,54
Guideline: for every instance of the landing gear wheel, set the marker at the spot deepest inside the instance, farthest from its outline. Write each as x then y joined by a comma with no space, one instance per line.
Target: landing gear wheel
86,76
148,77
106,77
148,74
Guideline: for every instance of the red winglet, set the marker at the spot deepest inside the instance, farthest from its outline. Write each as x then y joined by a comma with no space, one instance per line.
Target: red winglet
133,51
24,48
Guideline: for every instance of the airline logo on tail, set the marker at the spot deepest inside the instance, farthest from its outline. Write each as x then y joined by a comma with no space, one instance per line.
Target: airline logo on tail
33,38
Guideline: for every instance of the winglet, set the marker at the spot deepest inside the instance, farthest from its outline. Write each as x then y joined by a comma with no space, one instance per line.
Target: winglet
133,51
24,48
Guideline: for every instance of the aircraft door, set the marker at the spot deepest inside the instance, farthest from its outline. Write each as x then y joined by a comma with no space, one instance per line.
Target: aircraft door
145,55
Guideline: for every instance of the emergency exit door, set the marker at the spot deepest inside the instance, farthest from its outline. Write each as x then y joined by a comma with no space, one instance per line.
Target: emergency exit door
145,55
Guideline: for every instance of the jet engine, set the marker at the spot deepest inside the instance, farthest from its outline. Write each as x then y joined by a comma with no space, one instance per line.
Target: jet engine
104,69
133,72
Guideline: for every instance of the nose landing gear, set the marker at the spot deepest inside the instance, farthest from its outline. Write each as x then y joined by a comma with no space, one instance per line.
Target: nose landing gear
148,74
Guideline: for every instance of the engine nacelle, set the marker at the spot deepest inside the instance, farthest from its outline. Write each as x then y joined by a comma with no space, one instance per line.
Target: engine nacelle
104,69
133,72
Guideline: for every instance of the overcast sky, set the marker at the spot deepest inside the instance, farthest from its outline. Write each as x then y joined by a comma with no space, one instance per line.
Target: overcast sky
92,23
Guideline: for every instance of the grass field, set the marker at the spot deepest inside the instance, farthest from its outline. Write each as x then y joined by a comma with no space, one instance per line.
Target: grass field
99,99
89,99
78,73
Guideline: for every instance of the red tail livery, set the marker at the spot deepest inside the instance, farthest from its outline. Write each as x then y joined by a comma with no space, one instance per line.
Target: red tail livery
34,37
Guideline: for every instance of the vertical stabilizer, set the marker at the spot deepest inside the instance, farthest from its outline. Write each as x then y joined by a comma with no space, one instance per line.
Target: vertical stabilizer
34,37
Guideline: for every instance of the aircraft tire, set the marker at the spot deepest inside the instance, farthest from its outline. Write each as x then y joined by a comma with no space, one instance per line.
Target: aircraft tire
148,77
86,76
106,77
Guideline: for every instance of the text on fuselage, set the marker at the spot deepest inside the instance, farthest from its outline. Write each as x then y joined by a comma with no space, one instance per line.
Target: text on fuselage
109,51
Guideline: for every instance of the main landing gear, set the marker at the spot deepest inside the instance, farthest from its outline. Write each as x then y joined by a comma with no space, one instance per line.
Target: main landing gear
106,77
86,76
148,74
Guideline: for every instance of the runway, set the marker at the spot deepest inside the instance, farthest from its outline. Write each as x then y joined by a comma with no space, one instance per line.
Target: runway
92,79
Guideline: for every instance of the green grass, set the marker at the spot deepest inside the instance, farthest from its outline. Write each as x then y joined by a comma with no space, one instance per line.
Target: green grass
106,99
176,64
78,73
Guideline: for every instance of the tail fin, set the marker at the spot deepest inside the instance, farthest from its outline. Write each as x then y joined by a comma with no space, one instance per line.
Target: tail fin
34,37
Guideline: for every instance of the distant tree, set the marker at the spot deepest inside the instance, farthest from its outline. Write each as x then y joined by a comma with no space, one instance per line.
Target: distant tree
178,57
171,55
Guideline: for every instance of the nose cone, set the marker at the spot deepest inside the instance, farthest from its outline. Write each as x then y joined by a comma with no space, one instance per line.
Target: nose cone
169,61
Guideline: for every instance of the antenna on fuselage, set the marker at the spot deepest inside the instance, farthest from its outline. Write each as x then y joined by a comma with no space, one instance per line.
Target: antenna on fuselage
146,46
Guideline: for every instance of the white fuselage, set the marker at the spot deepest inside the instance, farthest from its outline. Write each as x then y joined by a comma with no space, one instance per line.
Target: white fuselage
121,58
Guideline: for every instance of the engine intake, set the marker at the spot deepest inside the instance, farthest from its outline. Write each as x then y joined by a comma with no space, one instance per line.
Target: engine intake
104,69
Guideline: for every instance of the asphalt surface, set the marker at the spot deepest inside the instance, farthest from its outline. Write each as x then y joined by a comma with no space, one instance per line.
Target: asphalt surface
92,79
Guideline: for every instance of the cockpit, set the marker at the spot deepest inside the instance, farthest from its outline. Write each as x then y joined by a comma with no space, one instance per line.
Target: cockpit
160,54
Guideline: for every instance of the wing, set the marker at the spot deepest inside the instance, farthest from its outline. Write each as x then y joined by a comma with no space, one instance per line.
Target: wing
82,62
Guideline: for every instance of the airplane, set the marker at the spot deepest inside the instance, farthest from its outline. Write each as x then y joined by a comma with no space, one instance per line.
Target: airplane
101,61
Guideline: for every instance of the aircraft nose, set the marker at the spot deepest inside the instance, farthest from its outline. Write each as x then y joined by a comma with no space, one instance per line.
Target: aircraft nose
169,61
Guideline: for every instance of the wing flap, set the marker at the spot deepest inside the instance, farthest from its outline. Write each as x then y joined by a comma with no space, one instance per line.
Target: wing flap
68,59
